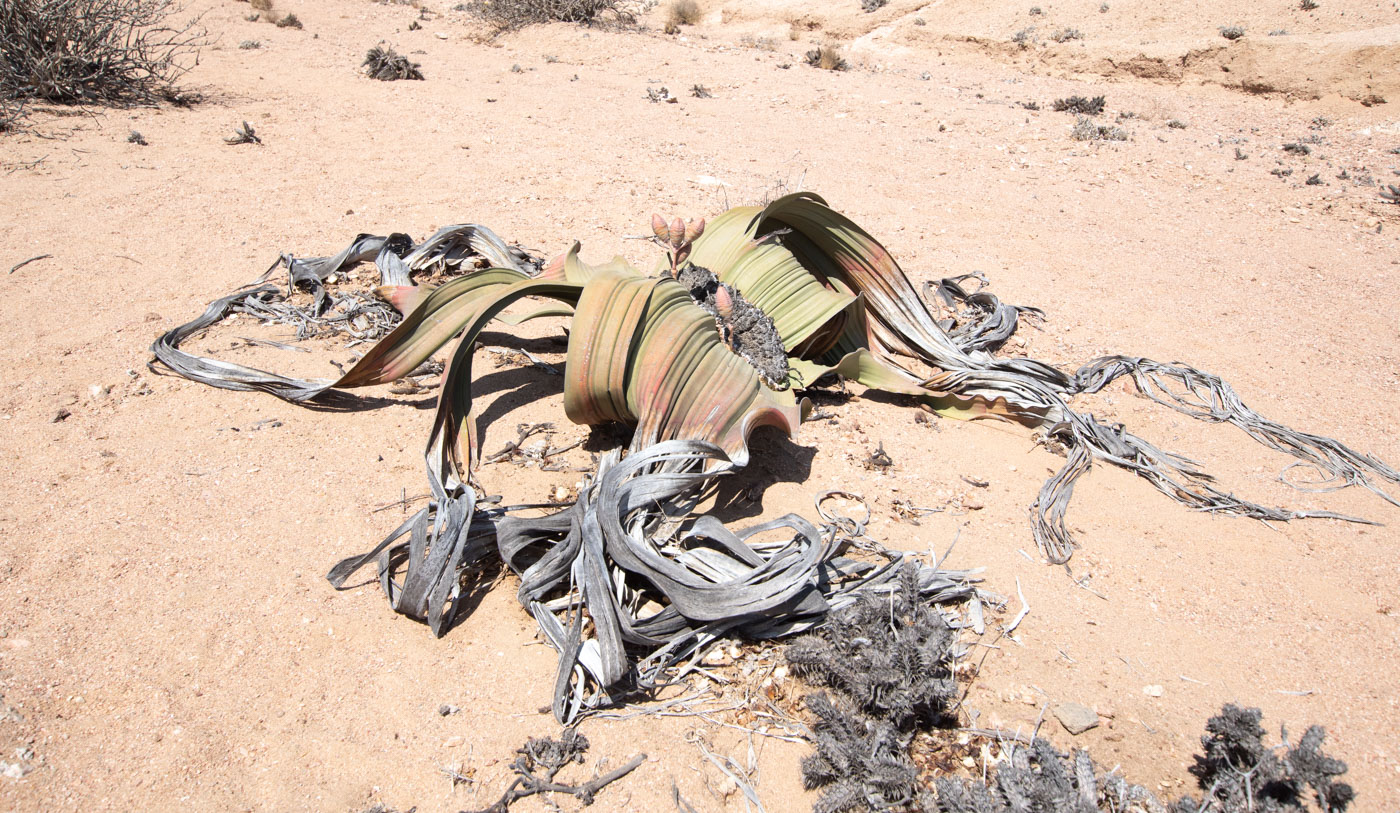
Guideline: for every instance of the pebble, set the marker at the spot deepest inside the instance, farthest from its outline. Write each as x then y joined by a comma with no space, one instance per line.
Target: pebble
1075,717
453,742
1153,690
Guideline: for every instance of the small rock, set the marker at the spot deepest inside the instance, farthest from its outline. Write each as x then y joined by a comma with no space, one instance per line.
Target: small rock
13,770
445,709
1153,690
60,415
973,505
716,657
453,742
1076,718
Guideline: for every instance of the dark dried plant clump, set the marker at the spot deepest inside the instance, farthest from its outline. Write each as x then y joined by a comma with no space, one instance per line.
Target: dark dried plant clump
1238,772
1067,35
1079,104
873,5
105,52
1231,32
506,15
1037,777
540,760
387,65
888,661
244,135
827,57
290,21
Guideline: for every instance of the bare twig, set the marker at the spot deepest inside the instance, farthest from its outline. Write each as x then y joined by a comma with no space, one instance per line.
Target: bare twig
18,266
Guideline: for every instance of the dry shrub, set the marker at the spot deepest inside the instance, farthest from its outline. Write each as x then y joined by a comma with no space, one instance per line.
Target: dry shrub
683,12
828,58
512,14
10,115
290,21
109,52
387,65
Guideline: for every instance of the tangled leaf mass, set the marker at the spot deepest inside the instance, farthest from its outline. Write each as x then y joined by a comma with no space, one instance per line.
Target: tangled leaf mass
628,583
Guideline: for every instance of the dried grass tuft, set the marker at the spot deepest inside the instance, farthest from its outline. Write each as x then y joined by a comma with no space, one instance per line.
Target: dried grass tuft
387,65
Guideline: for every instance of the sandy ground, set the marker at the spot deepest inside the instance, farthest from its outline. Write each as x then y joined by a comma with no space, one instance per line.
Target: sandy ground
167,640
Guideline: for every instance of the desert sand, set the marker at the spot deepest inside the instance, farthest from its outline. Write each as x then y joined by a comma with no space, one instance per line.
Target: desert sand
167,638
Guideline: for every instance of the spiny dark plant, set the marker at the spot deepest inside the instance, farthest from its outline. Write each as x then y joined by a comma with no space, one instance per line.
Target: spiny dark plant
888,659
1038,778
387,65
106,52
1238,772
1079,104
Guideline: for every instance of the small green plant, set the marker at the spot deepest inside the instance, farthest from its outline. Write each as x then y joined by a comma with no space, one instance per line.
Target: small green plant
1176,124
828,58
1231,32
136,138
1025,37
249,45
